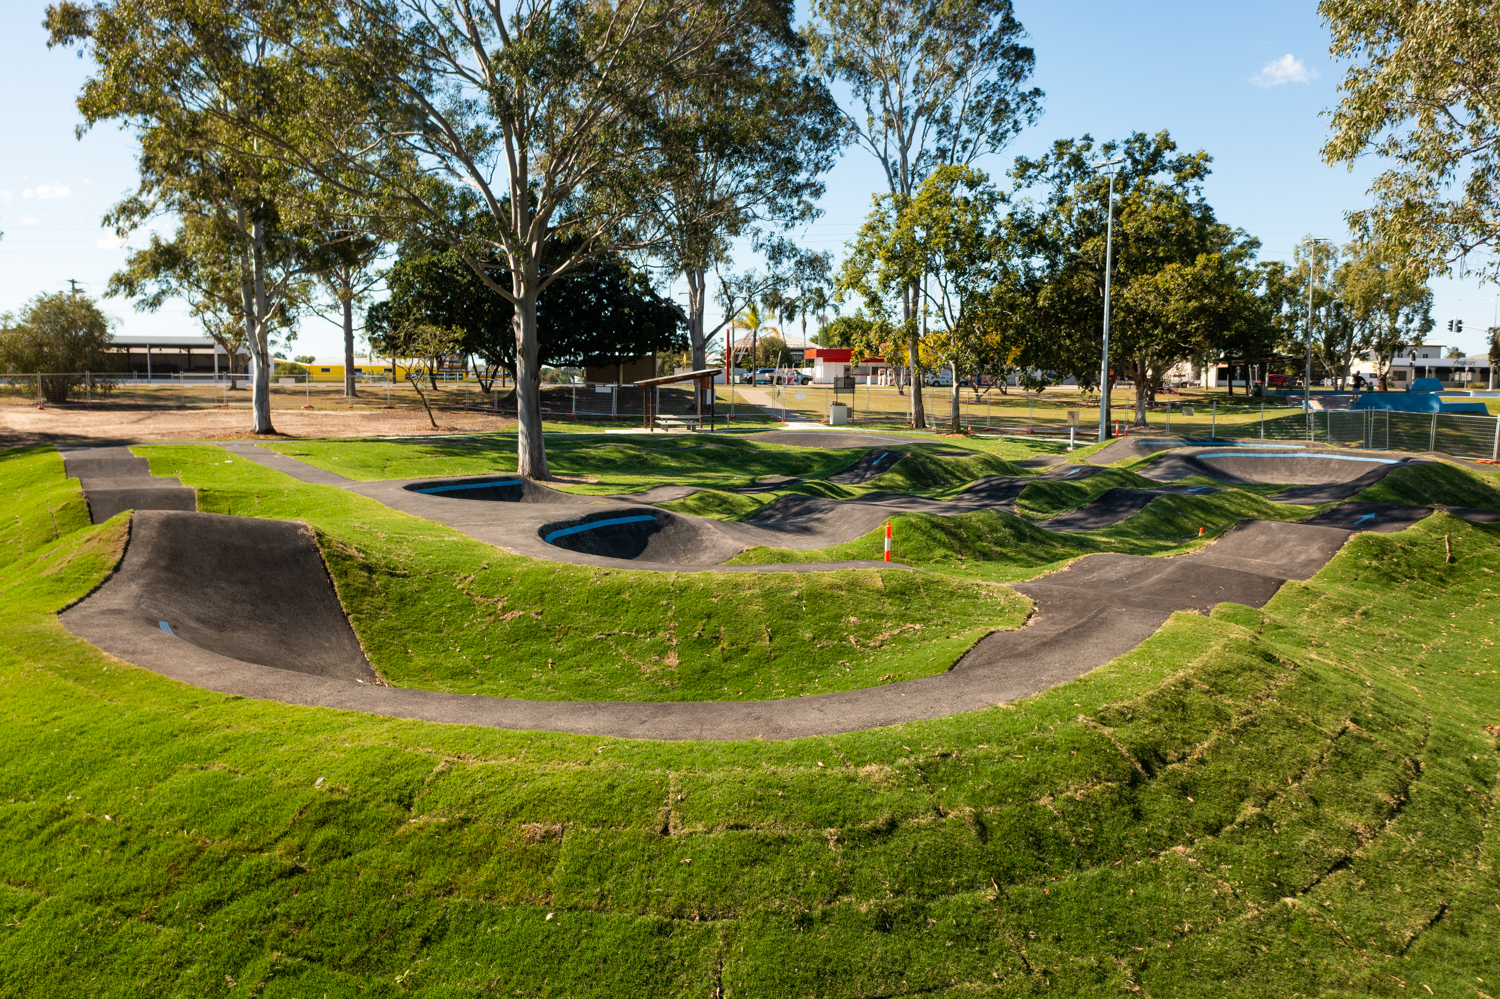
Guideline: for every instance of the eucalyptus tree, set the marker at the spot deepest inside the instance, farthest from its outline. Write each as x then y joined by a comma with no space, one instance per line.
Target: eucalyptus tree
201,265
934,83
182,74
745,156
551,114
1419,92
946,231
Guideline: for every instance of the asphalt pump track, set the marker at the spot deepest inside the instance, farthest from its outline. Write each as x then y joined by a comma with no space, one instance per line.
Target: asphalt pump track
175,605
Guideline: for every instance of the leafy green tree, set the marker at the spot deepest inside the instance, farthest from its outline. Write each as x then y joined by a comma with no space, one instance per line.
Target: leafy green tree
1180,276
935,83
1419,92
201,264
552,116
186,76
601,314
746,152
58,337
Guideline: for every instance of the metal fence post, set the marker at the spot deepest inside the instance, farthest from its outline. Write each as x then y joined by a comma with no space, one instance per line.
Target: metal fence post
1495,452
1262,419
1213,426
1432,435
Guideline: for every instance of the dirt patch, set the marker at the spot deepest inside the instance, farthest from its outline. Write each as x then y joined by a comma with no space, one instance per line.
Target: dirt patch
26,425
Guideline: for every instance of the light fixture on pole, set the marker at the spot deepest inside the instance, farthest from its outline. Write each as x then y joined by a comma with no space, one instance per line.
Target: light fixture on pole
1312,281
1111,166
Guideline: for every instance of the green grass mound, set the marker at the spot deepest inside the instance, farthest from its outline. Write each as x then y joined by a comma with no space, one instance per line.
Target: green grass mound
1050,497
40,504
1435,482
1003,548
438,610
920,472
1299,800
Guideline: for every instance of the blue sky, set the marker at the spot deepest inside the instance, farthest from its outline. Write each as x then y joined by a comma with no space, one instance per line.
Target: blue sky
1197,70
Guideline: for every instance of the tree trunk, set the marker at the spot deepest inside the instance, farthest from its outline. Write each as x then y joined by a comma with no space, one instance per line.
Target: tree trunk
697,281
954,401
347,295
531,450
918,413
1142,388
256,329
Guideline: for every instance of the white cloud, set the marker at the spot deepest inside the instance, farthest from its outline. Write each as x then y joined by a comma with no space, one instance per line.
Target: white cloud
1287,69
109,241
46,192
31,221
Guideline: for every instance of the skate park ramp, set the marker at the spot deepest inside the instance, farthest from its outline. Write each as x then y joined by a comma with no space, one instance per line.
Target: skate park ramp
1317,476
238,588
867,467
506,489
113,480
642,533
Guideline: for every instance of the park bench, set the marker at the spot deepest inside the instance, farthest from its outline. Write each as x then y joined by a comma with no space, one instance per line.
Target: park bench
686,422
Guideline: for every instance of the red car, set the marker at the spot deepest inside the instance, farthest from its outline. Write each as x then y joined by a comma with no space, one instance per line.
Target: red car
1278,381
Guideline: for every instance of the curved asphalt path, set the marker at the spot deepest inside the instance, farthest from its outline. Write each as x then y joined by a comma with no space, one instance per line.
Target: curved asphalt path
1087,614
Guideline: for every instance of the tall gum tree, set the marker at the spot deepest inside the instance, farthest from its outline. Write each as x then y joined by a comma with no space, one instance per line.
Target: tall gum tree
549,112
934,83
745,154
177,72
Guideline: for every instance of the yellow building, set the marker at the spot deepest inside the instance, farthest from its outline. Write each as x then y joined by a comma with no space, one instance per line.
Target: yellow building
373,369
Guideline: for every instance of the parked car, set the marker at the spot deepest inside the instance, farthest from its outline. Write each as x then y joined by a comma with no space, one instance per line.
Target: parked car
1278,381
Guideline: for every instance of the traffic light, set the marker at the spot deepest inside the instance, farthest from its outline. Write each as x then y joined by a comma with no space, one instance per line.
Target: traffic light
1450,326
1458,326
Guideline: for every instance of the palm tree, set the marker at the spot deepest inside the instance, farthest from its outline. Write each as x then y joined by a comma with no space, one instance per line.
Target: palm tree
755,324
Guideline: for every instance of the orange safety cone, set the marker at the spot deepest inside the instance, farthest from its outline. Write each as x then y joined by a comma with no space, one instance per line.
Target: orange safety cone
1200,532
888,541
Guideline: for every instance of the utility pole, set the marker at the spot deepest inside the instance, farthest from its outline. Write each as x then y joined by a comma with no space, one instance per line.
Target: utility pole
1109,245
1312,281
74,285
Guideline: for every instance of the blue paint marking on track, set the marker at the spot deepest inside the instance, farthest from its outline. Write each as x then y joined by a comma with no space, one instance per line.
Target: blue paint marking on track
1368,516
167,628
580,528
1199,489
1331,457
471,485
880,459
1066,474
1185,443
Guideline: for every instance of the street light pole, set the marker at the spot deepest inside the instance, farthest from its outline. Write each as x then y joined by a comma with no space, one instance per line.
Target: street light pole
1312,281
1109,245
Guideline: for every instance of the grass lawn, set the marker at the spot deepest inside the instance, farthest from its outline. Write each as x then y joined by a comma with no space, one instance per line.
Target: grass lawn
439,610
1437,482
1299,800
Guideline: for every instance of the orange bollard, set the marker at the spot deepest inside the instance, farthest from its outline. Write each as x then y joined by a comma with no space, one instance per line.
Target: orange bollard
888,541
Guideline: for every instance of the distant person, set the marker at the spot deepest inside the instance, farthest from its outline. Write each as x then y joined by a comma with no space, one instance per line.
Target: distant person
1359,382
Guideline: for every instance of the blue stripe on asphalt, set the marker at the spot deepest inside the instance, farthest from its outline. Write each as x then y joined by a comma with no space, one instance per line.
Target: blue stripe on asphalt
580,528
167,628
1145,440
1066,474
880,459
1332,457
1199,489
1368,516
471,485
